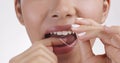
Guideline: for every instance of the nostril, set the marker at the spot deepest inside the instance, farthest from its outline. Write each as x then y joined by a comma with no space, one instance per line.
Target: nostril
54,16
68,15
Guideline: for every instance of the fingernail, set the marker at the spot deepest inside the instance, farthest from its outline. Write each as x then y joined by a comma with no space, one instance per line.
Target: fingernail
81,34
82,21
75,25
79,18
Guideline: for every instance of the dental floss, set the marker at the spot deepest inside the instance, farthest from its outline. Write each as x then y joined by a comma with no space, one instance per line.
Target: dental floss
80,34
64,42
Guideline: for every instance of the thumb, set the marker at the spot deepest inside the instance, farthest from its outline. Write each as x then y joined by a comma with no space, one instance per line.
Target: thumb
48,42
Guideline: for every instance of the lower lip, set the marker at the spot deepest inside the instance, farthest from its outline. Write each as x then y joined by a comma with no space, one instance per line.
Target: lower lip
64,49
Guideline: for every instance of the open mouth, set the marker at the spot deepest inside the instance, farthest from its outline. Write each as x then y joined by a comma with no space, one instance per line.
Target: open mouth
67,36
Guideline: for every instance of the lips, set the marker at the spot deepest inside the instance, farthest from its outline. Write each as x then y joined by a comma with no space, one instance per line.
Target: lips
66,36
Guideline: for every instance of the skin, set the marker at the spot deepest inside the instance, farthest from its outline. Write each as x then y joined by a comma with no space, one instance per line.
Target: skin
36,14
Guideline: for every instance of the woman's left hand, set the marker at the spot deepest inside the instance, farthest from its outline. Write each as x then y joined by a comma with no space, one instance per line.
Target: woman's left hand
110,37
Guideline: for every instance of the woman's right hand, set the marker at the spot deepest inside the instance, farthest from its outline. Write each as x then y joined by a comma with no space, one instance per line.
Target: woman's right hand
39,52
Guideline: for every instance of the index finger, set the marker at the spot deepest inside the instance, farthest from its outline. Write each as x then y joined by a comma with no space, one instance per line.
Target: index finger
113,29
86,21
48,42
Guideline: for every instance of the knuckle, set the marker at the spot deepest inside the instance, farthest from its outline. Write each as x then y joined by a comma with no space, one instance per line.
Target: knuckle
37,45
33,59
40,51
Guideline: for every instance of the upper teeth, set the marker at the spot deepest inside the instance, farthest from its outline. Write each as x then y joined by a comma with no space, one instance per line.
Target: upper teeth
62,33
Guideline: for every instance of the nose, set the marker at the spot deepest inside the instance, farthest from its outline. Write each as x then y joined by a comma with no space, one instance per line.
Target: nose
62,9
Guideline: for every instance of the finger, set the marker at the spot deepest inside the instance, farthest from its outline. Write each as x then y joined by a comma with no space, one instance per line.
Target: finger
92,34
43,60
113,53
97,59
84,28
39,60
112,40
37,45
112,46
116,40
41,54
112,29
33,53
89,35
42,47
47,42
84,21
45,49
85,50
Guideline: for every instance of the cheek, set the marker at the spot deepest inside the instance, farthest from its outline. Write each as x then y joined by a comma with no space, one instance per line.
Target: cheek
34,13
33,16
90,9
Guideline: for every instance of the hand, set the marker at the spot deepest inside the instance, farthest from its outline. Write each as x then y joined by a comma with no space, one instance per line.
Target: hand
112,42
110,36
39,52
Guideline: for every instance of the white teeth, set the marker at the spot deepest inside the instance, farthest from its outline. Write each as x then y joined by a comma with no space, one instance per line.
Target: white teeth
59,33
73,32
62,33
54,33
51,33
69,32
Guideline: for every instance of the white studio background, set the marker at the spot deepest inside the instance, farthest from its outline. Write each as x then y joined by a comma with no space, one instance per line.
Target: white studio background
13,36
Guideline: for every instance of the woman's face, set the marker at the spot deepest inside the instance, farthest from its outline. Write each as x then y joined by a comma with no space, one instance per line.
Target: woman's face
43,16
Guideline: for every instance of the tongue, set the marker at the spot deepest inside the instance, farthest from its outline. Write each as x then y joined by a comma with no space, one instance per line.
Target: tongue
69,39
